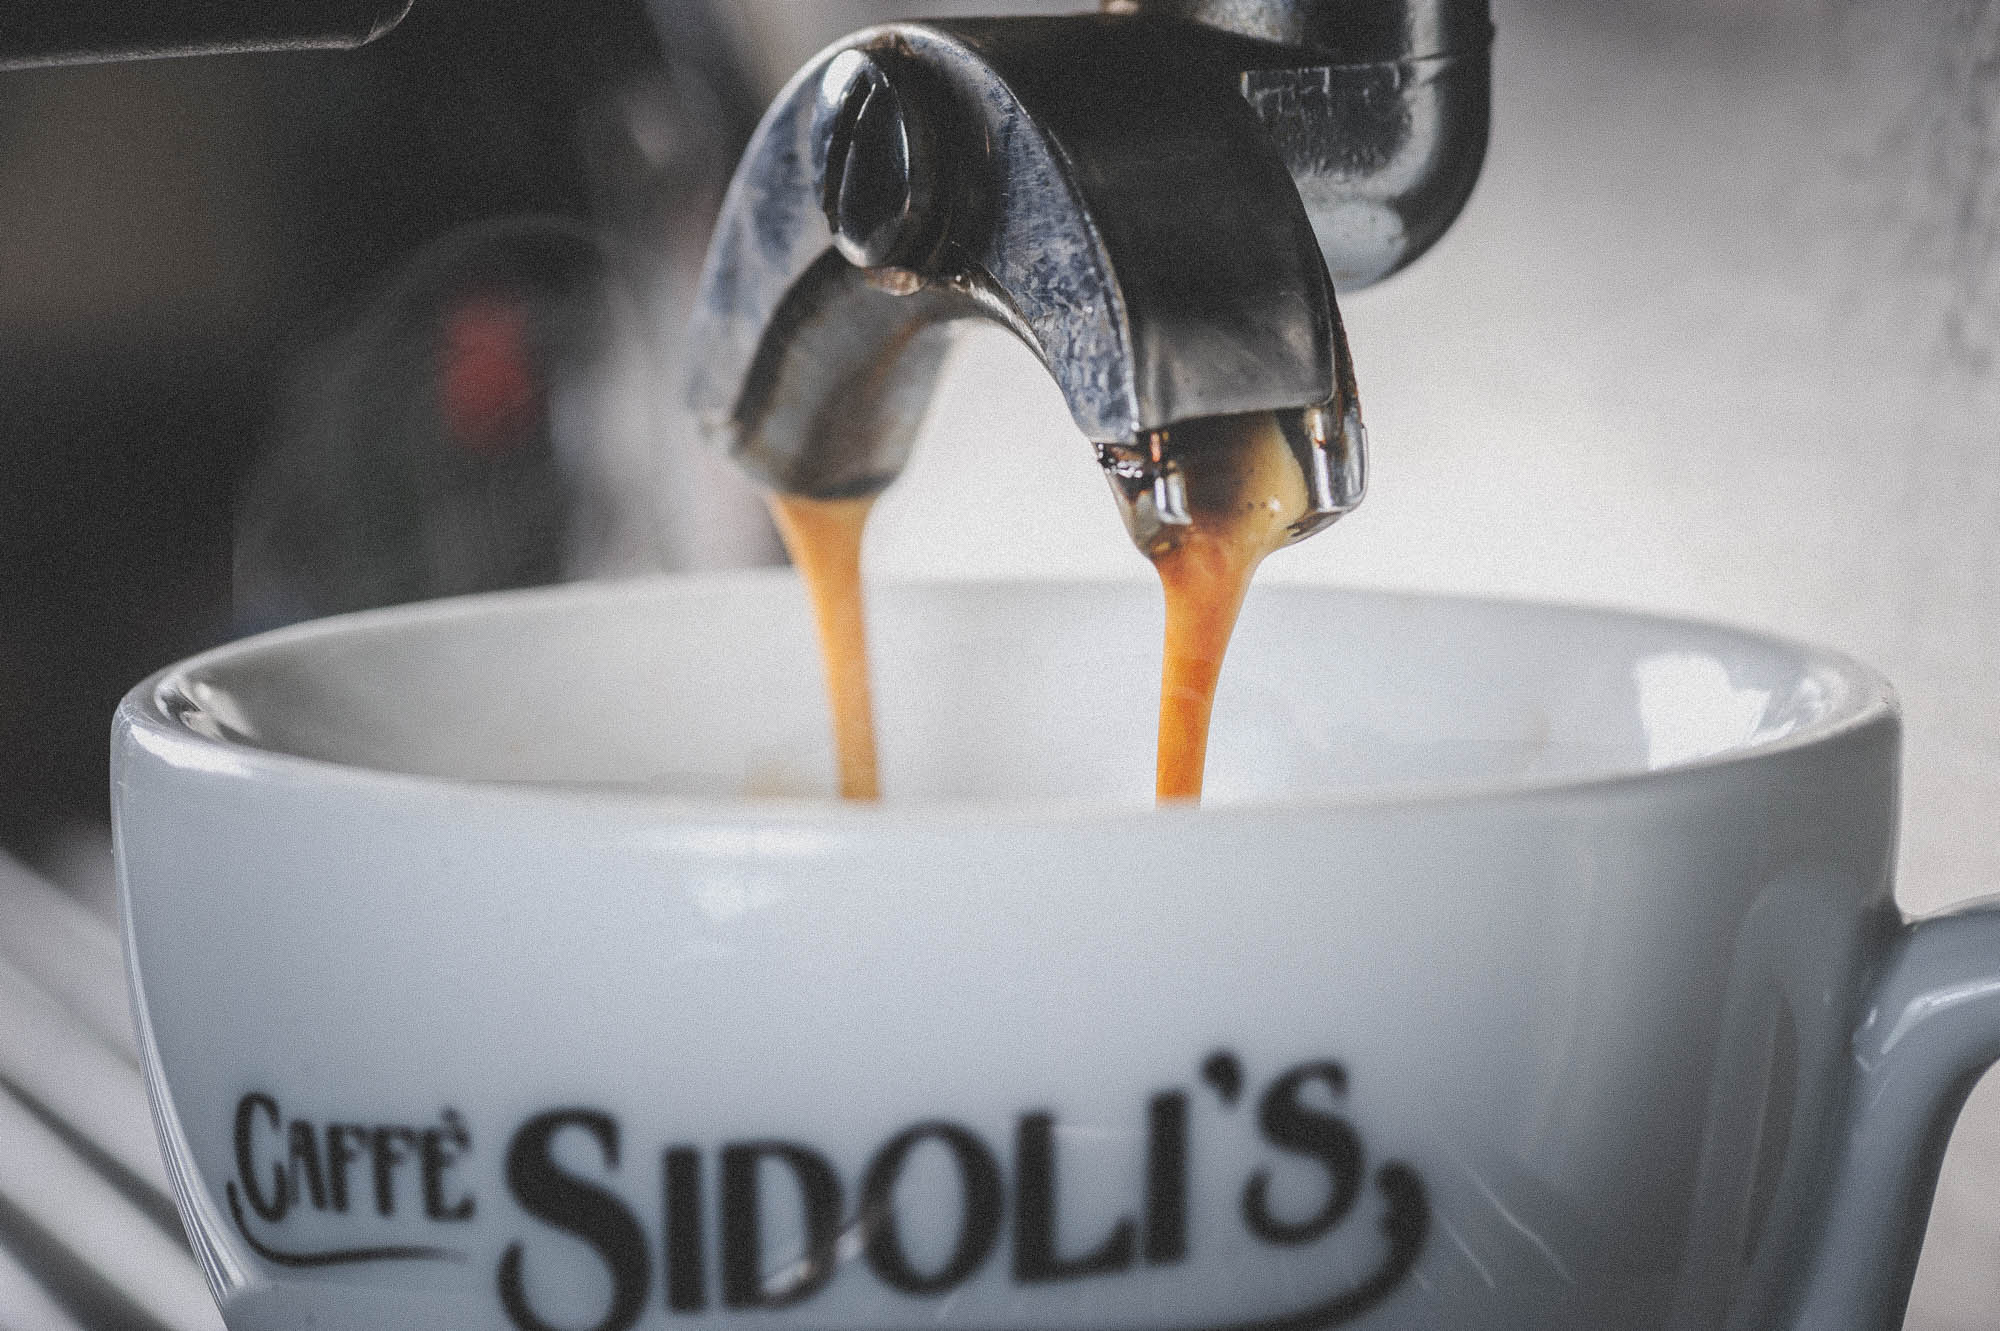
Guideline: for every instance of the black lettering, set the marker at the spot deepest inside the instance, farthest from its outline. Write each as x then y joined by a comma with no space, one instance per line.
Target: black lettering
742,1232
1035,1227
388,1147
576,1207
1166,1179
1292,1125
979,1228
687,1277
1223,1071
343,1147
279,1202
303,1158
442,1148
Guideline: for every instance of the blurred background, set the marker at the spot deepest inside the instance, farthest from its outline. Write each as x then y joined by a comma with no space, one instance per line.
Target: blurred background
283,335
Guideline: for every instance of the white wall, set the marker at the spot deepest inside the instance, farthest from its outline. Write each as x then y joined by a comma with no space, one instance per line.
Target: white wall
1716,335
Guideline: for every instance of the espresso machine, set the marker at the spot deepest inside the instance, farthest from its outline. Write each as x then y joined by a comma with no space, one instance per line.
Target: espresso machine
1159,199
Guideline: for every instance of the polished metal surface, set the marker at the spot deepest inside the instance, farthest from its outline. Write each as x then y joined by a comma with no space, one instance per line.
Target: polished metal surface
1384,154
1126,217
1127,192
881,184
1380,110
36,33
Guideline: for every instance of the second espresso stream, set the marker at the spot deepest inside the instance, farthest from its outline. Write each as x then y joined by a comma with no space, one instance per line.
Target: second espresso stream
1243,493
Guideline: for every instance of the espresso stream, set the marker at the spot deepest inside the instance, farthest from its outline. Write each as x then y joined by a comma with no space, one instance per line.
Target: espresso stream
824,538
1245,490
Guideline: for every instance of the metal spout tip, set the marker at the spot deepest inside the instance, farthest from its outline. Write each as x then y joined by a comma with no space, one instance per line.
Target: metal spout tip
1170,501
1171,481
1333,450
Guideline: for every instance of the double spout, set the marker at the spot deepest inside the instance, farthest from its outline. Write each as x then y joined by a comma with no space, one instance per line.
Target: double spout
1159,200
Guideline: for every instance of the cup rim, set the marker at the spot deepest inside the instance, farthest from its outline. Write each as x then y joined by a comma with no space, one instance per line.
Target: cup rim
151,717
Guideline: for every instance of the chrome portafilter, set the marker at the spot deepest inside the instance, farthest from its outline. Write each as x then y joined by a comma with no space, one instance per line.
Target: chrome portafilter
1123,192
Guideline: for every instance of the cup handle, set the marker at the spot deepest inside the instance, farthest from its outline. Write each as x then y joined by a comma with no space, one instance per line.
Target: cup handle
1930,1028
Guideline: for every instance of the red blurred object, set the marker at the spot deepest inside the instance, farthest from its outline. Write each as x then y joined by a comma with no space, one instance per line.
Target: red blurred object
487,386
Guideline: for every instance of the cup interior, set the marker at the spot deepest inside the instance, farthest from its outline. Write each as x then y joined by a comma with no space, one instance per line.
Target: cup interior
708,688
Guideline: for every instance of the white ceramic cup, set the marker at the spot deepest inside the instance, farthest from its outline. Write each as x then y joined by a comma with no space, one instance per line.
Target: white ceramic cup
500,965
